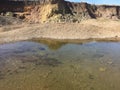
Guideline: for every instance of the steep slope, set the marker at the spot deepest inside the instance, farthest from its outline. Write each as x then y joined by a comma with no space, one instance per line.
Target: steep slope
64,11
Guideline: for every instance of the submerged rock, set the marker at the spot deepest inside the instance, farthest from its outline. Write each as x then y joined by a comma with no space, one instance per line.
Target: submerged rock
102,69
91,76
48,61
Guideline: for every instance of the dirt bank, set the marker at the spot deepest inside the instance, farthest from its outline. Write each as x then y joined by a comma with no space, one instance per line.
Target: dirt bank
87,29
58,10
64,11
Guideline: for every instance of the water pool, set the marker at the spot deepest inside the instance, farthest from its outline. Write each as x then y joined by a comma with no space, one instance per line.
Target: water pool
49,65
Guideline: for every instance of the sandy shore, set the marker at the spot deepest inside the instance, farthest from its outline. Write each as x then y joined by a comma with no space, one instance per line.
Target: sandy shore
88,29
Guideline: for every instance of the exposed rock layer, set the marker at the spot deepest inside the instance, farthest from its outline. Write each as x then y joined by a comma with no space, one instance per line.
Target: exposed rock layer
64,11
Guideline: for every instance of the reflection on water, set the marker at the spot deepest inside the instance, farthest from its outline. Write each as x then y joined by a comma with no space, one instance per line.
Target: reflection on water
60,65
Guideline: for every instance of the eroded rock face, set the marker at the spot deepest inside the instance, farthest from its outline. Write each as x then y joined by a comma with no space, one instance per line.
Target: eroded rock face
51,1
95,11
111,12
64,11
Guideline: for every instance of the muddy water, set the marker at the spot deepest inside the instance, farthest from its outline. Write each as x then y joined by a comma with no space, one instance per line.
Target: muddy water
49,65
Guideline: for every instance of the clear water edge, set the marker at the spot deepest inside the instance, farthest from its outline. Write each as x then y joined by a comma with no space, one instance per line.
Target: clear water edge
48,65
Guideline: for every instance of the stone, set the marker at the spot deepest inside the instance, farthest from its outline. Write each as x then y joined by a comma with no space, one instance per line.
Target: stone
102,69
9,14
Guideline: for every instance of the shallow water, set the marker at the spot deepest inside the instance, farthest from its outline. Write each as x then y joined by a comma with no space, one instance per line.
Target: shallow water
49,65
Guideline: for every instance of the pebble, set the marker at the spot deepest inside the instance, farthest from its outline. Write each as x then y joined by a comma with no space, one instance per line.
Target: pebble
102,69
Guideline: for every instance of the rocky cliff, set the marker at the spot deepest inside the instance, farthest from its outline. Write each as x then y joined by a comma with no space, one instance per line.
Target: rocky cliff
64,11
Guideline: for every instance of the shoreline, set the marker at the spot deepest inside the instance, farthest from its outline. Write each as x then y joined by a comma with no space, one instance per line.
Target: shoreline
91,29
109,39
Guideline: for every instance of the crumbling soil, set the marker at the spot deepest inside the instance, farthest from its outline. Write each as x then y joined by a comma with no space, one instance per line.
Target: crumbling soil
65,11
7,20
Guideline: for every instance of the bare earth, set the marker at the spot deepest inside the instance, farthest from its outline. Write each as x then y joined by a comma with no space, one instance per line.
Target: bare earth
88,29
